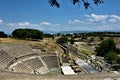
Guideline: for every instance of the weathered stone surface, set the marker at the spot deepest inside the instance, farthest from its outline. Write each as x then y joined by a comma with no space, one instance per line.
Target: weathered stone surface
4,75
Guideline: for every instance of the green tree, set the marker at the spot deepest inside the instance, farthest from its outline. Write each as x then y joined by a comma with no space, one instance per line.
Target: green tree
32,34
2,34
118,60
105,47
62,40
72,41
111,56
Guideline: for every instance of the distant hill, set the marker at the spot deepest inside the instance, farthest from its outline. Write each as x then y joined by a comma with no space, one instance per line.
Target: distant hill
73,31
77,31
50,31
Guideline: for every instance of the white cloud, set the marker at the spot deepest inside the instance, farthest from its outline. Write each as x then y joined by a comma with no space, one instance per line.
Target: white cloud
74,21
89,22
1,21
32,25
11,24
45,23
23,24
87,15
96,22
56,24
96,18
114,18
93,18
35,25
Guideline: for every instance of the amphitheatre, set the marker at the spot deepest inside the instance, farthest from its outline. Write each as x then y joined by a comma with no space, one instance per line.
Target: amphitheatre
42,60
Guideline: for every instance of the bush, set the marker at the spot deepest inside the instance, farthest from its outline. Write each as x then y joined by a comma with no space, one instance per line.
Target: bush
62,40
111,56
105,47
118,60
72,41
86,52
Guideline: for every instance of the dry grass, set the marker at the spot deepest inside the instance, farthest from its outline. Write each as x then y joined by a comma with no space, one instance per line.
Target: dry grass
117,40
11,41
73,56
48,44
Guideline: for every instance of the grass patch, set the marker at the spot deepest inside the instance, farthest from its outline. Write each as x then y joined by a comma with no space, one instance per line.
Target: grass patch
56,72
11,41
86,52
73,56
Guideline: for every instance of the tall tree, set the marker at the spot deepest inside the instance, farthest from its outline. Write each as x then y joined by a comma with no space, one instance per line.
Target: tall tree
112,56
2,34
105,47
27,34
62,40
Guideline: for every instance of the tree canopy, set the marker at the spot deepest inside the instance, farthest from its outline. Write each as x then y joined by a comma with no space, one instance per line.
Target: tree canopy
105,47
62,40
108,50
86,3
2,34
112,56
27,34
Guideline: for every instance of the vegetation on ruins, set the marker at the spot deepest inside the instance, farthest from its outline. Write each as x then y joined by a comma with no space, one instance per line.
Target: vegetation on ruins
62,40
112,56
65,39
107,49
72,41
86,52
31,34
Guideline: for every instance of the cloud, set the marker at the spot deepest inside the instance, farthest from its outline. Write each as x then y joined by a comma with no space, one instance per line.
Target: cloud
27,24
11,24
23,24
56,24
96,18
1,21
45,23
114,18
74,21
96,22
87,15
87,22
35,25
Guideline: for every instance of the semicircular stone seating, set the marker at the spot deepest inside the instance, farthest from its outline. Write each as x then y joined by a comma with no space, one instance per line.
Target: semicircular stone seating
5,59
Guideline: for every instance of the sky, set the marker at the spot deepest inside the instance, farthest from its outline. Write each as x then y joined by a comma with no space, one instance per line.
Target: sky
38,14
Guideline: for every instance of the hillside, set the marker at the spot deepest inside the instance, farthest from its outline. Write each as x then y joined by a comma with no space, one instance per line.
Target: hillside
47,44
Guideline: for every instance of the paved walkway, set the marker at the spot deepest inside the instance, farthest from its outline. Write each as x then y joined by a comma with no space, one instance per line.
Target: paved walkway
4,75
86,66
